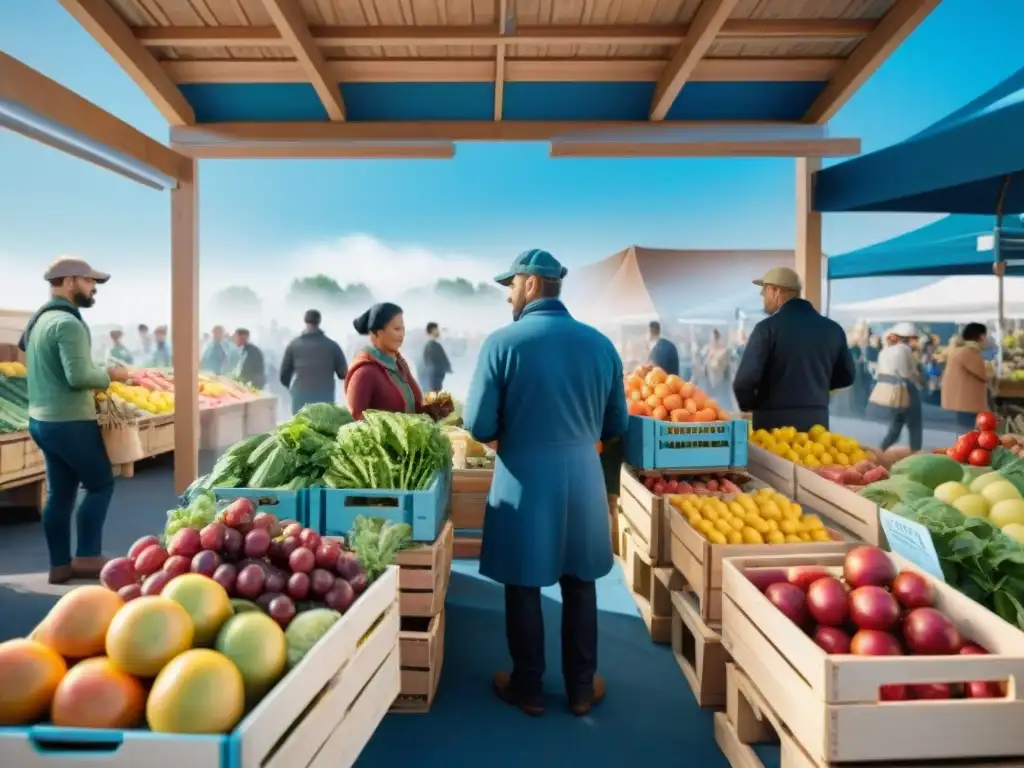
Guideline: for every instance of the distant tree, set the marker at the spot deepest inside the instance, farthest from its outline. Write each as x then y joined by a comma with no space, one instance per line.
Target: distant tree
457,288
235,298
325,290
488,291
357,294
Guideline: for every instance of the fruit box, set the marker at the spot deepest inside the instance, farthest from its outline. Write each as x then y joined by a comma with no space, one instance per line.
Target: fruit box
831,703
700,562
838,503
333,510
645,514
779,473
284,505
423,576
654,444
469,498
322,713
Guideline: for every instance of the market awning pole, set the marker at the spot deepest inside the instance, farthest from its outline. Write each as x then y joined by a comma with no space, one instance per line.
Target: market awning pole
999,267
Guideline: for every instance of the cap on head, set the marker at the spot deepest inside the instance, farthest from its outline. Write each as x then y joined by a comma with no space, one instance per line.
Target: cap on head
781,277
535,262
72,266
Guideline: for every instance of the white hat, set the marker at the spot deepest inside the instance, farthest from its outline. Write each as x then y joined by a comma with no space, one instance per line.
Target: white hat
904,330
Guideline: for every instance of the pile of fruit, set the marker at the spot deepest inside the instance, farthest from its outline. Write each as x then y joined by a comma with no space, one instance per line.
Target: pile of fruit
164,643
652,392
815,448
764,516
873,610
1014,443
990,496
13,369
860,474
142,400
975,447
704,484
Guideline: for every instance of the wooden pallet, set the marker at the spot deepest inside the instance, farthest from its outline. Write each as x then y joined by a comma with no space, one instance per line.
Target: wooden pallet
649,585
421,650
749,720
424,573
698,650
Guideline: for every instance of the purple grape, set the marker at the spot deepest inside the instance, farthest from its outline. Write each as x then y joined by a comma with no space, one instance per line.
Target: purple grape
301,560
233,542
225,575
257,542
212,537
298,586
250,581
288,545
282,610
359,582
341,596
264,600
348,565
206,563
277,580
320,582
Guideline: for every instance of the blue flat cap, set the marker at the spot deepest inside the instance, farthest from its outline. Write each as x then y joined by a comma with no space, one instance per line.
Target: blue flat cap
535,261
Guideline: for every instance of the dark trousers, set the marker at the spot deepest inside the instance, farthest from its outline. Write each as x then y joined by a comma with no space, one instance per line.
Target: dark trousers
524,628
910,417
966,419
74,455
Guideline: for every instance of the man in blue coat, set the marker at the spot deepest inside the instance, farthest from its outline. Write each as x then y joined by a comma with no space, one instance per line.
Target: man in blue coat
547,388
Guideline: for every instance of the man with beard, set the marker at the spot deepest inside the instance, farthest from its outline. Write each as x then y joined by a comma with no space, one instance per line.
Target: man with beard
62,380
793,359
547,388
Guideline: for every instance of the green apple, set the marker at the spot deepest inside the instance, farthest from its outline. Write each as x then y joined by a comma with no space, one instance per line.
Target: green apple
987,479
1001,490
1015,531
972,505
1007,512
951,491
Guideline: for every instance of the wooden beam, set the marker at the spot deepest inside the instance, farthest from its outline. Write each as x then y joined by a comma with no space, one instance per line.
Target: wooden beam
902,19
808,253
499,59
484,71
707,22
185,326
477,35
23,86
101,21
291,23
340,151
665,149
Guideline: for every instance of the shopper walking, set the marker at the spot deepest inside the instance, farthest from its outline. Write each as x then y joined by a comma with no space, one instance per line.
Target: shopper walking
965,381
62,380
435,362
161,357
896,397
310,365
663,352
252,370
546,388
793,360
218,356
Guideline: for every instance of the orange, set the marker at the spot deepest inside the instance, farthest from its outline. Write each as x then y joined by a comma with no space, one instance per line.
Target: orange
674,383
689,405
634,382
76,627
672,402
661,390
712,404
705,414
200,691
686,390
700,399
637,408
655,377
646,391
96,694
680,414
147,633
660,413
29,674
634,394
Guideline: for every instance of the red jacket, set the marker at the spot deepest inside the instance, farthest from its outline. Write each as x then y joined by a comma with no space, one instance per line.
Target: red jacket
369,386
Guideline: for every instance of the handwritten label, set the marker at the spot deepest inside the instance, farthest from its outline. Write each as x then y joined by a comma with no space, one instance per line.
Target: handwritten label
911,541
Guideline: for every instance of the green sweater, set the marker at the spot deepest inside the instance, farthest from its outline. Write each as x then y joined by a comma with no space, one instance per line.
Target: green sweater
61,374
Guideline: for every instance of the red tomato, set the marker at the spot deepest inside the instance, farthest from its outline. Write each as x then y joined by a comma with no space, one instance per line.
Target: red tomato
986,421
969,441
980,458
988,440
957,455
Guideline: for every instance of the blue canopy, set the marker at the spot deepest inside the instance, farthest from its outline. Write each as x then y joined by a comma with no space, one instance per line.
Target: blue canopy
954,245
958,165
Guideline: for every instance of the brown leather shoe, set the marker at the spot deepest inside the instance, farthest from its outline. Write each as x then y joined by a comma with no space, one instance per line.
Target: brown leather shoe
88,567
582,707
503,687
61,574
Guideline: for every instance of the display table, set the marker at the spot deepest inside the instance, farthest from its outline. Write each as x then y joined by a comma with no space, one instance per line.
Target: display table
22,472
222,426
260,415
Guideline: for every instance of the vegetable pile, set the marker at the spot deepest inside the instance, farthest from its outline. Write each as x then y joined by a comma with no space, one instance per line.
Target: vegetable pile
871,610
13,398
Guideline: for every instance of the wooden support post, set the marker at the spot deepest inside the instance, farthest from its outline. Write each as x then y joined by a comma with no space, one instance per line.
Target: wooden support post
185,326
808,231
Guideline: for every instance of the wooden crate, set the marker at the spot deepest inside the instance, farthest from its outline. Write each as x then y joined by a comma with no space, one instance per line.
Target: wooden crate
424,573
779,473
320,715
698,650
467,547
748,719
222,426
645,514
649,585
469,498
831,705
12,454
838,503
700,562
421,646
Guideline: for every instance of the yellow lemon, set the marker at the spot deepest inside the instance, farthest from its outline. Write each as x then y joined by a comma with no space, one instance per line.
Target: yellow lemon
736,508
842,460
723,526
694,520
858,456
770,511
737,523
792,538
792,511
751,517
734,537
710,513
750,536
816,431
790,456
812,461
747,503
717,537
804,536
801,438
775,537
705,526
820,535
773,525
813,522
787,526
824,439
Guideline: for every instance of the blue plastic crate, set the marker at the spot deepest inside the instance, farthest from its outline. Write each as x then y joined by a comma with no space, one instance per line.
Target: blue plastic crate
292,505
654,444
334,510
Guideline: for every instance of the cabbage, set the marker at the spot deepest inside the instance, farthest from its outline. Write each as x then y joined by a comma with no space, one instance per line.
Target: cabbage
306,630
895,490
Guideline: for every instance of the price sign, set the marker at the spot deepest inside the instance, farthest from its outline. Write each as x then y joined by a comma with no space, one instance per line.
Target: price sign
911,541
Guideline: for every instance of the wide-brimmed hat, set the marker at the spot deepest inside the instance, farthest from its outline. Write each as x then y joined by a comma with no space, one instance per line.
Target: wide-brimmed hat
904,330
72,266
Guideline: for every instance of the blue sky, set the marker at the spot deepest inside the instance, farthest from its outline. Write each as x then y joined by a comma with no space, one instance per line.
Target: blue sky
481,208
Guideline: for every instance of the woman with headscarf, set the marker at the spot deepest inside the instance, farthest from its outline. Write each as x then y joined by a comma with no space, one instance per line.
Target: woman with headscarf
379,379
896,396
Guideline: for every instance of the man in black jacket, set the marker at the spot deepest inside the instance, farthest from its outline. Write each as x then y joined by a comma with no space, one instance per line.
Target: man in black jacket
793,360
435,364
252,370
310,364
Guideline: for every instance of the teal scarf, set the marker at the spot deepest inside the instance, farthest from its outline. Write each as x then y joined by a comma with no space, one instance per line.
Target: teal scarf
391,366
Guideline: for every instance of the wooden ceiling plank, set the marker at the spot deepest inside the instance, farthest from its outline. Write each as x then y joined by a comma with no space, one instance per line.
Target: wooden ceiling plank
287,17
707,22
499,59
100,20
902,19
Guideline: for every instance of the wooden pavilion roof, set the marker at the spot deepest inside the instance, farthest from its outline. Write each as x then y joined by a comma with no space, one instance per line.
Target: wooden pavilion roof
493,69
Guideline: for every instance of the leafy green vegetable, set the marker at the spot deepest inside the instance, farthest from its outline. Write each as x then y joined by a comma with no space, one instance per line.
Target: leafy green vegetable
377,543
888,493
200,512
1012,468
928,469
325,418
976,557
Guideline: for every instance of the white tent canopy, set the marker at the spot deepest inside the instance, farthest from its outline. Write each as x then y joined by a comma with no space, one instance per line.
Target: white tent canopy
953,299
